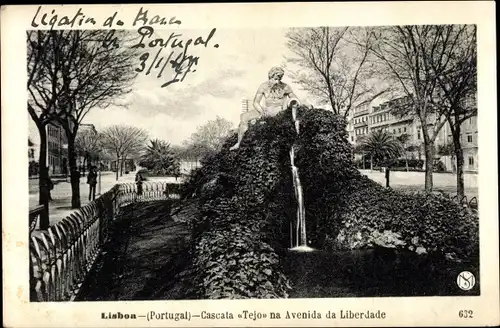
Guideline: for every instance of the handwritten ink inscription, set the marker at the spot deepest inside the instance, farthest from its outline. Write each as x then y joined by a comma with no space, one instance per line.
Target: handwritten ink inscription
53,19
171,54
168,57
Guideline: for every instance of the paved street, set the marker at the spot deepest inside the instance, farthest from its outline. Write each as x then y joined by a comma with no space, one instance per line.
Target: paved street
415,181
60,207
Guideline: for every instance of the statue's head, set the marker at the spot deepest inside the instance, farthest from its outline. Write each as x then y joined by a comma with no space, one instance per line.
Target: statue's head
275,74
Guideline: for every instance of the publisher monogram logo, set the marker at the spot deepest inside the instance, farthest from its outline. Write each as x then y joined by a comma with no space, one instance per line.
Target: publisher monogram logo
466,280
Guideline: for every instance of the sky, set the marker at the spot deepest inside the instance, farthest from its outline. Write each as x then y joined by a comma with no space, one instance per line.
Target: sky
231,67
223,76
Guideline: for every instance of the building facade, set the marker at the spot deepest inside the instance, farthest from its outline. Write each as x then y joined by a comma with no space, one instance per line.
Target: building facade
57,149
366,118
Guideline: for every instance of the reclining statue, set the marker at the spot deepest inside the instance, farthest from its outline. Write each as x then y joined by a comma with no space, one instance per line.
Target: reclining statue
278,96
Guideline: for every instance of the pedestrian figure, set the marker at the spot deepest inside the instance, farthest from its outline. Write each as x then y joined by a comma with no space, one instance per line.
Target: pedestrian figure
92,181
50,185
138,181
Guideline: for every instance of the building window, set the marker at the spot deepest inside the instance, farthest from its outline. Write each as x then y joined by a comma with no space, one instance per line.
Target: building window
352,138
471,161
469,138
418,134
404,129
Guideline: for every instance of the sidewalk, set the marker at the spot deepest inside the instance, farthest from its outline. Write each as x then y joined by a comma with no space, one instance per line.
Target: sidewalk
415,181
60,207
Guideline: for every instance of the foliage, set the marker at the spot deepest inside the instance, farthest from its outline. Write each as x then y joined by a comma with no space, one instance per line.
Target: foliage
427,221
413,164
160,158
71,72
246,202
439,166
33,168
382,146
239,231
446,149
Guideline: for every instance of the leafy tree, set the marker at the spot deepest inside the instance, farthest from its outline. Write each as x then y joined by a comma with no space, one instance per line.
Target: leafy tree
160,158
382,148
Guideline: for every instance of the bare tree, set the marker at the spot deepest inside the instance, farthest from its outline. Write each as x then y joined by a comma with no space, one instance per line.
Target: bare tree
407,55
210,135
334,68
87,145
124,142
69,73
457,85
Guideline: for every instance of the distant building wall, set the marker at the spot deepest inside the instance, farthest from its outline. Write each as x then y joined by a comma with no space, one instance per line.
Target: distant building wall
366,119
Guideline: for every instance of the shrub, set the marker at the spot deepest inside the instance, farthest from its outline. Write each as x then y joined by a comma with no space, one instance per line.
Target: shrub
232,263
423,222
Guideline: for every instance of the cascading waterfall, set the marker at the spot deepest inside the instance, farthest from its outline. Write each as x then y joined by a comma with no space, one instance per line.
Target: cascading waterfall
300,228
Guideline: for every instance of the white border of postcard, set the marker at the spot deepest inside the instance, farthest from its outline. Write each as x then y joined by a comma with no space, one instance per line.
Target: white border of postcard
403,311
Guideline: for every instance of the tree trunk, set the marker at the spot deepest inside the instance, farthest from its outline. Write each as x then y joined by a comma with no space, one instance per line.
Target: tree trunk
84,162
387,174
117,166
459,154
121,166
371,163
454,163
43,179
406,162
74,174
429,160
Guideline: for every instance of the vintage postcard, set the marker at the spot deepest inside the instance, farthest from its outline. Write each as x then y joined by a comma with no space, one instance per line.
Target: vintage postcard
248,165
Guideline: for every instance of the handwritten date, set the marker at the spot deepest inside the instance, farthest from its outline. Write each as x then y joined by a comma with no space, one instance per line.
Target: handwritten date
169,54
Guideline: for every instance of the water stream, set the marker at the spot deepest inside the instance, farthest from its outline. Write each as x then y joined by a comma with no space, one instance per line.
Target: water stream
300,225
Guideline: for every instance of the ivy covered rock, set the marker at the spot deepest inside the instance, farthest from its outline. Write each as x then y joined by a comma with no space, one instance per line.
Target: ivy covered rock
246,202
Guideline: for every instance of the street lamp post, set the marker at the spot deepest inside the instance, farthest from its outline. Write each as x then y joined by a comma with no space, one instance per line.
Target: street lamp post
99,185
65,147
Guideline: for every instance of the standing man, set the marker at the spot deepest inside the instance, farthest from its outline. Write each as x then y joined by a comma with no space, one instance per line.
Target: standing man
277,96
92,181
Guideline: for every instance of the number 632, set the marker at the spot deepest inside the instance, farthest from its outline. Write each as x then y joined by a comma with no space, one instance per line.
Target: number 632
465,314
